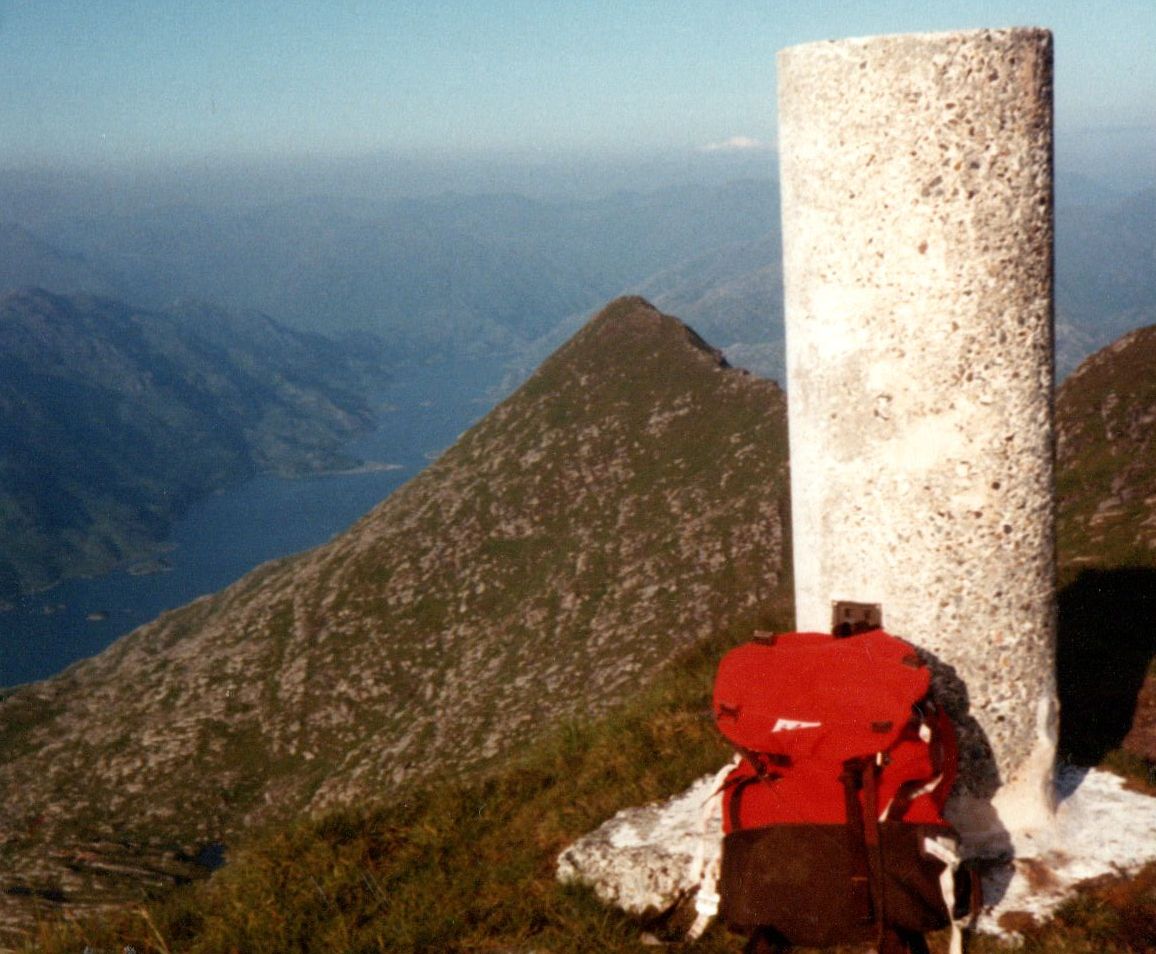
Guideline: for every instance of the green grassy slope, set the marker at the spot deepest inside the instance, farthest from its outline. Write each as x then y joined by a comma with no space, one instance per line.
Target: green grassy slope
452,866
1107,456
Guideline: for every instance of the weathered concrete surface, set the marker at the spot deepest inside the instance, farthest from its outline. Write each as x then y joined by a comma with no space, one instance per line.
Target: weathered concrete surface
917,227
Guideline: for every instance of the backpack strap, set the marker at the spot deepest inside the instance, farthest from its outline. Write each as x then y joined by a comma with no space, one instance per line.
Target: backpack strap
765,764
763,773
923,725
873,839
961,885
734,806
862,894
705,868
867,873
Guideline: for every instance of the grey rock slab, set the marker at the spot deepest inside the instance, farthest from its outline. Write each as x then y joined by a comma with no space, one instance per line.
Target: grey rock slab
645,860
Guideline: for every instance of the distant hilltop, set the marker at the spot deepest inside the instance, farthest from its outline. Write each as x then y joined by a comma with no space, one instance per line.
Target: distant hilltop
117,418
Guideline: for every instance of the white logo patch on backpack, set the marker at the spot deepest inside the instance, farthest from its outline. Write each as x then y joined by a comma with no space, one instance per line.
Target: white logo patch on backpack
790,725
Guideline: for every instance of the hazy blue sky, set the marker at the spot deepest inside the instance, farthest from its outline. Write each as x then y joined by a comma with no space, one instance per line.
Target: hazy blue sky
144,80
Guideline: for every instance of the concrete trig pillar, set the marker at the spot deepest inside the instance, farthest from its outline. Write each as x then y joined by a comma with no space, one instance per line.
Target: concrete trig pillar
917,226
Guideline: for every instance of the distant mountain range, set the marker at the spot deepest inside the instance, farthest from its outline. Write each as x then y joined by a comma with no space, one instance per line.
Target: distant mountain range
514,275
456,272
27,261
627,501
116,418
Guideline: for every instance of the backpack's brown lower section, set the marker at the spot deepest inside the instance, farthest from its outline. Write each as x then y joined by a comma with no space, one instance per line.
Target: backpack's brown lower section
805,882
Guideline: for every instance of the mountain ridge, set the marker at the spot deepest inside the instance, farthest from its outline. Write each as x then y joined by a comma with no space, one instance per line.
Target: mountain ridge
628,500
501,272
471,866
431,274
54,860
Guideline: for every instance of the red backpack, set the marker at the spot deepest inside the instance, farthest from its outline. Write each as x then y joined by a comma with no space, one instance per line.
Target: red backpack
833,817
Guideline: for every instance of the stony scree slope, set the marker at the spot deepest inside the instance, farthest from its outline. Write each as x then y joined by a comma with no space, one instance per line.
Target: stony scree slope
1106,456
627,501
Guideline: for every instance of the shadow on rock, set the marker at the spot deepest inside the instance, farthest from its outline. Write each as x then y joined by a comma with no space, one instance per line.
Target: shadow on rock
1105,642
978,773
986,841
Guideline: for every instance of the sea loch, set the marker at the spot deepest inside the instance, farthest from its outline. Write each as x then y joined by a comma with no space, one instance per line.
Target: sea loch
424,409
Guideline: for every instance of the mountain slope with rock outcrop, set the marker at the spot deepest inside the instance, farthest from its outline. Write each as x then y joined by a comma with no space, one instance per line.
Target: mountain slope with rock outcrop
629,500
1106,450
1106,502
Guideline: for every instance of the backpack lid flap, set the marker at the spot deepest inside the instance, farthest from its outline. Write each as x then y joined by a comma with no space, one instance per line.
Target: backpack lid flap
810,695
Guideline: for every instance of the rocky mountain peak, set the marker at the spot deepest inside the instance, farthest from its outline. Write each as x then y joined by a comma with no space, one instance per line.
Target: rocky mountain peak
627,501
632,322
